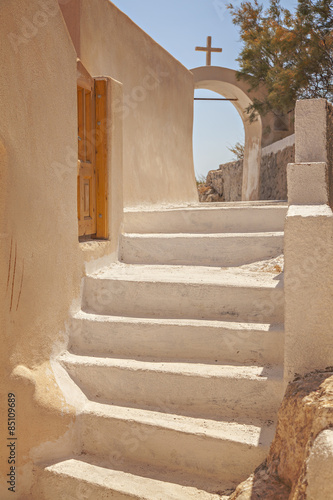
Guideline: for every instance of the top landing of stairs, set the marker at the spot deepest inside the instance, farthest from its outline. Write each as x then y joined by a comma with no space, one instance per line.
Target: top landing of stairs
255,216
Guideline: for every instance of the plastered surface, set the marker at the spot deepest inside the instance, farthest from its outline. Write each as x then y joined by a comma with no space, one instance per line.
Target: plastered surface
157,110
41,261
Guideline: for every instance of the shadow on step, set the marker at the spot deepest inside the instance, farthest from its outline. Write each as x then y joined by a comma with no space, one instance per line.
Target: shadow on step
116,462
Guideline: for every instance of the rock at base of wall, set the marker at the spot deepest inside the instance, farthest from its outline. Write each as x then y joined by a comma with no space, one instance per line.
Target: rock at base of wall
291,470
224,184
207,193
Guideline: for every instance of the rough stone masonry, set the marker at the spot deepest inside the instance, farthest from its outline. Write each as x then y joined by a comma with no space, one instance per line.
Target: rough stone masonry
225,184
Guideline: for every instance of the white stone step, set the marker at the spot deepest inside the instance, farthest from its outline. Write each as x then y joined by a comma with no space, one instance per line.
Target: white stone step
239,217
202,450
205,453
229,249
185,292
178,340
79,480
205,390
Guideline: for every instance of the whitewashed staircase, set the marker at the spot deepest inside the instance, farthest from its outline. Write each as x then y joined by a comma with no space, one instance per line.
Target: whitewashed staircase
179,357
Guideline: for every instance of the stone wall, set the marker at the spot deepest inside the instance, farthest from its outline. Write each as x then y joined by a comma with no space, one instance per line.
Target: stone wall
329,148
225,184
273,174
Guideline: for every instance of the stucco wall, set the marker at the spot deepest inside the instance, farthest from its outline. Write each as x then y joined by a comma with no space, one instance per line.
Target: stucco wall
41,260
39,245
158,105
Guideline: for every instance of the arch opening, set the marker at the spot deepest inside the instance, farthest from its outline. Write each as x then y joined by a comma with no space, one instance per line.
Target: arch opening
223,81
217,127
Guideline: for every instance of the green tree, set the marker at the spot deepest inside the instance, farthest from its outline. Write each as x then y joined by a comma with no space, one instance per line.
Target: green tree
290,53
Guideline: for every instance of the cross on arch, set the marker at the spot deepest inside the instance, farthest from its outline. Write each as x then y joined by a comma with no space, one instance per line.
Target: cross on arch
209,49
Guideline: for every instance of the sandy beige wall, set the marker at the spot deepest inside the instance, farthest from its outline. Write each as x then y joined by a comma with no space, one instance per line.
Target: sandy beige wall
157,110
40,264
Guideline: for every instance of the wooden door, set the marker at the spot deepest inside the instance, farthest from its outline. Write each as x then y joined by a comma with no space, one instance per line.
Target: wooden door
93,156
86,179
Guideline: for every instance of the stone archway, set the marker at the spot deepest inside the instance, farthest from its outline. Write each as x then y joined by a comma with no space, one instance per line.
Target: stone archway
224,82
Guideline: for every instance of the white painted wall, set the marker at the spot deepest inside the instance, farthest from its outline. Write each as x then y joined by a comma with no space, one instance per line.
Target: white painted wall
309,244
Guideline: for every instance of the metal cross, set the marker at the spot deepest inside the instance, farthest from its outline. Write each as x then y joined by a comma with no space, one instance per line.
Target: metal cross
209,50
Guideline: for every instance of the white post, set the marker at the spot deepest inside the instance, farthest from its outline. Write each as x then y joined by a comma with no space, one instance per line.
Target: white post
309,243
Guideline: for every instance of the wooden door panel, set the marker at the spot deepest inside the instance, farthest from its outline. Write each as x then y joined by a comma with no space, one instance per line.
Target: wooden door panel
89,149
80,122
86,167
87,199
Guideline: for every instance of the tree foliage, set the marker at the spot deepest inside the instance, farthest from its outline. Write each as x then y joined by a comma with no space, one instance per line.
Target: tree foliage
237,150
291,53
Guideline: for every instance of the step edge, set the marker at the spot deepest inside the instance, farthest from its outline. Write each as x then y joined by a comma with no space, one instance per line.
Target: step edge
217,235
190,426
275,204
56,469
275,372
268,284
247,326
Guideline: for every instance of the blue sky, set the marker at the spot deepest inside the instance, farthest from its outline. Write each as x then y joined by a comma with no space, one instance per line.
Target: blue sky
179,26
